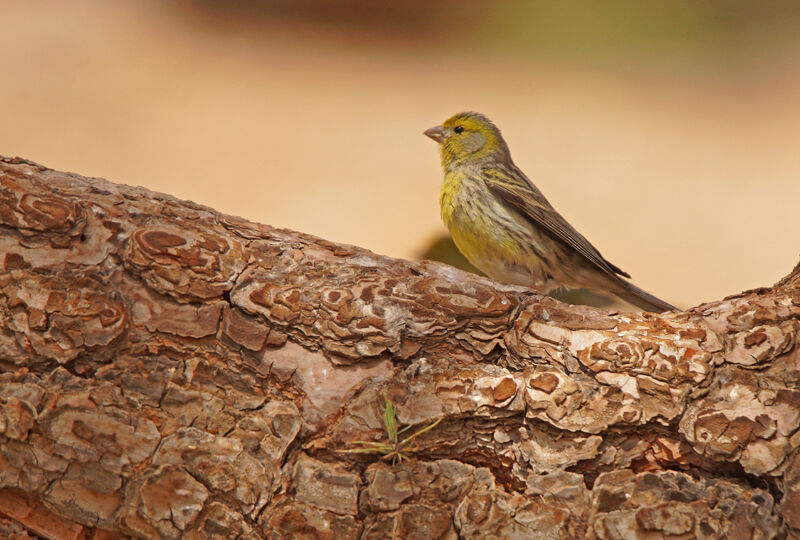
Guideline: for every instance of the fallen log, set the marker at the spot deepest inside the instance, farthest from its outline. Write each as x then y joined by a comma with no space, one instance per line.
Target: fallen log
170,371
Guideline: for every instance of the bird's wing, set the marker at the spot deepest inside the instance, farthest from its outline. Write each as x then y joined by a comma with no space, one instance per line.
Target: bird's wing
513,187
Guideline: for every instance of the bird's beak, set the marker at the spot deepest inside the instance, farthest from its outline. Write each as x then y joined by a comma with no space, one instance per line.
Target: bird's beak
436,133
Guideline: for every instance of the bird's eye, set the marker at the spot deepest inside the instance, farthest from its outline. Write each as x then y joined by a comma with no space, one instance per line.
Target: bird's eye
458,129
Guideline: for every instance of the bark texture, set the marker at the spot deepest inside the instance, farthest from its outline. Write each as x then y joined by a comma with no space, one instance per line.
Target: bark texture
169,371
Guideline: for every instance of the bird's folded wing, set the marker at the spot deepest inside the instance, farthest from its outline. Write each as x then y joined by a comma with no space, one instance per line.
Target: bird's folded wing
514,188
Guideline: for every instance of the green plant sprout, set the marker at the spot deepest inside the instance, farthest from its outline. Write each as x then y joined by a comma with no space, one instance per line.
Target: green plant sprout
394,450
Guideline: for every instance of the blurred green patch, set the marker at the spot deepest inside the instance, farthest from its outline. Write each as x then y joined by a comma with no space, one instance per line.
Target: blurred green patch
588,28
443,249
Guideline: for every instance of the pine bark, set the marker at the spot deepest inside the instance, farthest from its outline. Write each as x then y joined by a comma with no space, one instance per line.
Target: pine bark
169,371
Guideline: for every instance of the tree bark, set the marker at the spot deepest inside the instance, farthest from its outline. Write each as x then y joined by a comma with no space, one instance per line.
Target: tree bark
169,371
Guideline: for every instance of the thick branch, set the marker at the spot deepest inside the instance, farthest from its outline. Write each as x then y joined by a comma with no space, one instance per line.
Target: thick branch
166,370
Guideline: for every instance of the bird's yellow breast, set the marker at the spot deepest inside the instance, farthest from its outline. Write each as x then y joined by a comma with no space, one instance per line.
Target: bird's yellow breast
492,236
448,193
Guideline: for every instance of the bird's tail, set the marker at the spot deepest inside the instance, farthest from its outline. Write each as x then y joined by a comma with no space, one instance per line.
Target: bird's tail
643,299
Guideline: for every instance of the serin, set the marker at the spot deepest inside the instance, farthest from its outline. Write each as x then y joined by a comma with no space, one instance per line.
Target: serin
504,225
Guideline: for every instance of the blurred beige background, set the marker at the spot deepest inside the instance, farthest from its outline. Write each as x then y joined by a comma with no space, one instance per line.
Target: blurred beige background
668,138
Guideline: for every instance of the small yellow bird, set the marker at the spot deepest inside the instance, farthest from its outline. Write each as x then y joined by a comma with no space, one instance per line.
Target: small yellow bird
504,225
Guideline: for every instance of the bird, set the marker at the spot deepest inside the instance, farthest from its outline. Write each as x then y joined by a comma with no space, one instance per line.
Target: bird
505,226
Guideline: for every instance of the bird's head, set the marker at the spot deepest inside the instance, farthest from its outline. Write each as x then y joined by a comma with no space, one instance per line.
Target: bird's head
469,138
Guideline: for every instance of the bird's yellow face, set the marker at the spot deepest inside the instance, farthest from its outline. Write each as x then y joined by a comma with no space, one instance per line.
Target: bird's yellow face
468,139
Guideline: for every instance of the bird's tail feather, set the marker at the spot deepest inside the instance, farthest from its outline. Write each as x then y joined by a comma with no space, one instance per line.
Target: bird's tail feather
643,299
